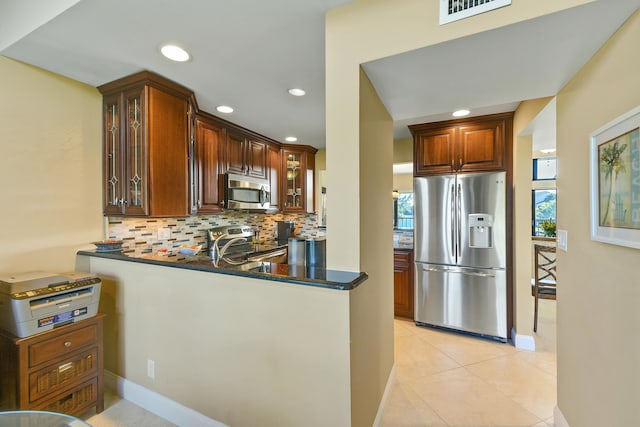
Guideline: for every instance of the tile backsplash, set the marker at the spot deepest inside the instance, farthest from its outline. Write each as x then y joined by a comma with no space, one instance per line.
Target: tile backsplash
140,235
403,238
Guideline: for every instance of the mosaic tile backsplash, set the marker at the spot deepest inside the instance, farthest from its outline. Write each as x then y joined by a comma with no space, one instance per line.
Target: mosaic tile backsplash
403,238
140,235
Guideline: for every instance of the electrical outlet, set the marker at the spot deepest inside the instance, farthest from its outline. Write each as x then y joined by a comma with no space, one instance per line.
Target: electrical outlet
563,240
164,233
151,369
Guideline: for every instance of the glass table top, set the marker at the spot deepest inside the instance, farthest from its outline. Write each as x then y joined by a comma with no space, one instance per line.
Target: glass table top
39,419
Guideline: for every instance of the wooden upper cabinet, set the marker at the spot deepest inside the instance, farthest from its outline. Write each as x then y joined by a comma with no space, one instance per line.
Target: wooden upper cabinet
112,155
234,152
481,146
163,157
298,178
274,174
245,155
467,145
434,151
207,171
145,147
257,158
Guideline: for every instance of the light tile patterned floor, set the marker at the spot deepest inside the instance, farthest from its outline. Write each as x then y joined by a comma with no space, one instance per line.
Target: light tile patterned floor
442,379
450,379
122,413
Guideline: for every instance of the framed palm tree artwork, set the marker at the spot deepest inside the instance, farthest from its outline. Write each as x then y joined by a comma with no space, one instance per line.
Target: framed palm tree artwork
615,181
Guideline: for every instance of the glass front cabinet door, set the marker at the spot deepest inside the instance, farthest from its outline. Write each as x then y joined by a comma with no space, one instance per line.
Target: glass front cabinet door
146,137
298,165
124,154
294,180
112,158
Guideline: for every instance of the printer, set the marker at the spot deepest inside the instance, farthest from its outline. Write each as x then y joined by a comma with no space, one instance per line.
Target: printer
35,302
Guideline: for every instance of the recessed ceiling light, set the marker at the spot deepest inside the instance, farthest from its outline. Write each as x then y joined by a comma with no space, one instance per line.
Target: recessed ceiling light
297,92
224,109
291,139
175,53
461,113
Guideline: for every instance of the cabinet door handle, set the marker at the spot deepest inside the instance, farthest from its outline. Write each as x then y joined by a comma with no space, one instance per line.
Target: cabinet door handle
460,166
67,344
65,367
452,165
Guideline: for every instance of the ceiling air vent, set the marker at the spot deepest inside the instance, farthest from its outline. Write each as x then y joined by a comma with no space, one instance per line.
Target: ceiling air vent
453,10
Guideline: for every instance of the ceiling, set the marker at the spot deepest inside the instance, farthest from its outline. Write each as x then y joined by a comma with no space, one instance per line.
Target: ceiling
247,53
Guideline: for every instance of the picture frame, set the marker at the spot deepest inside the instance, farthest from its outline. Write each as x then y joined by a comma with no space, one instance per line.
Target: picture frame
615,181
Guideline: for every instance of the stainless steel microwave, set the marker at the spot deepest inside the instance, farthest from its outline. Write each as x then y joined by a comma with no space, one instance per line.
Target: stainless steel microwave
244,192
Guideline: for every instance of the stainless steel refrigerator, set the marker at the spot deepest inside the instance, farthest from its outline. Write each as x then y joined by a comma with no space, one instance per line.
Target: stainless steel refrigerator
460,252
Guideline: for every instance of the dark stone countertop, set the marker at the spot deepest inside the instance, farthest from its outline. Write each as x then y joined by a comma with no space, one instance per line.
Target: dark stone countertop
403,246
301,275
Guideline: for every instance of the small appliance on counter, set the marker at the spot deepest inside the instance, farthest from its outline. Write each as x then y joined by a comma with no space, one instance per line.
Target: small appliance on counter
35,302
316,253
284,230
308,252
296,251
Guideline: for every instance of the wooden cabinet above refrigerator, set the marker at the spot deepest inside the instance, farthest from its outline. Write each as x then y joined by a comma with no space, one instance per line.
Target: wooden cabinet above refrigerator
466,145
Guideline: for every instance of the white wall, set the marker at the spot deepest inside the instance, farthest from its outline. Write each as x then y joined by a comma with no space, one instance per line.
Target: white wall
242,351
522,172
356,33
598,283
50,168
20,17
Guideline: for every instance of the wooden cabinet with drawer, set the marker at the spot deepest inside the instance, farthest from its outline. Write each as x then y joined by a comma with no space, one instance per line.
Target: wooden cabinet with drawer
59,370
403,283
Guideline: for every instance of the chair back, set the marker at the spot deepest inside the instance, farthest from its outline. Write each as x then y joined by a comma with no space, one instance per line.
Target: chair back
545,264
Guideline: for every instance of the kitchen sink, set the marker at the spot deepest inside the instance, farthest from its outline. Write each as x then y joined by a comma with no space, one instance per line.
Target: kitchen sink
258,262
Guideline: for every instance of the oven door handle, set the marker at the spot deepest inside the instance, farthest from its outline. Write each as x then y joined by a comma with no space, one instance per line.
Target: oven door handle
264,257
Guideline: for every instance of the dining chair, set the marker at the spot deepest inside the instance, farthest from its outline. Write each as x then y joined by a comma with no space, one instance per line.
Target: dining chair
544,282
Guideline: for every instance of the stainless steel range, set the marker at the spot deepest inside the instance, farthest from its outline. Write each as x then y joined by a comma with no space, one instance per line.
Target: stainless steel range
237,244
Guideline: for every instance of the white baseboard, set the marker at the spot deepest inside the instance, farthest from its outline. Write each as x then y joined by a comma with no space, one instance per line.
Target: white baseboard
385,396
523,342
559,419
158,404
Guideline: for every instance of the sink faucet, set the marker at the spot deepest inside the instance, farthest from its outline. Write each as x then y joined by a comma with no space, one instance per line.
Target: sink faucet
217,252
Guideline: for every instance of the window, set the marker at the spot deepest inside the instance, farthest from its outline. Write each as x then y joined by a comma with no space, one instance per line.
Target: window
403,211
544,168
544,209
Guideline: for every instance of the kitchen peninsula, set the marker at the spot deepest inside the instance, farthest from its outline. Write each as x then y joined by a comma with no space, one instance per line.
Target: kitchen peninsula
288,273
261,343
239,347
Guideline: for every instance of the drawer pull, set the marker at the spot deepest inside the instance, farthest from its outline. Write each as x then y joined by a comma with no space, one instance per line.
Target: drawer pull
65,367
67,344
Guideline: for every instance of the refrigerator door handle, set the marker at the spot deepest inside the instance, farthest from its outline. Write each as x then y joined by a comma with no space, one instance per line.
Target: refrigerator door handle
478,274
453,221
464,271
459,220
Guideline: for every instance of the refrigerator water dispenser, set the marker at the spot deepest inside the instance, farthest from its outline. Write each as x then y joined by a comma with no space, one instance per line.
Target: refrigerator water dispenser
480,230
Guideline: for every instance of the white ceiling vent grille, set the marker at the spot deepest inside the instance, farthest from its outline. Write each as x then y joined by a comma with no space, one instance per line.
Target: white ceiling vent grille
453,10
